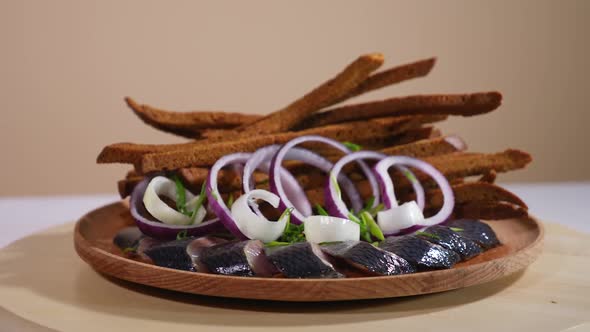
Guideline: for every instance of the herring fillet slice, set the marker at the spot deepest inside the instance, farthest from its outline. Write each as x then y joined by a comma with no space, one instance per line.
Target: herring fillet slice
447,238
302,260
368,258
420,253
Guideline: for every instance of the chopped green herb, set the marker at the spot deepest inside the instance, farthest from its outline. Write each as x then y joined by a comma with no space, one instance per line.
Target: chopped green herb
276,244
265,181
456,229
328,242
181,197
336,186
321,210
353,147
292,233
182,235
129,250
230,200
287,214
372,226
369,203
410,176
354,218
199,203
376,209
430,235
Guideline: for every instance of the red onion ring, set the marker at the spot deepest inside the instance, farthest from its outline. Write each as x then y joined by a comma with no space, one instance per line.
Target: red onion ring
214,197
387,185
275,180
160,230
260,160
334,203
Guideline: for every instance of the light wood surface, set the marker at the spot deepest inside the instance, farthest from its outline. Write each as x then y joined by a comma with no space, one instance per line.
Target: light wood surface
521,244
42,280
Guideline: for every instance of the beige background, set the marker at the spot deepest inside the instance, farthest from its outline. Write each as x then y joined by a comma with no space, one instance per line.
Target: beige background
66,65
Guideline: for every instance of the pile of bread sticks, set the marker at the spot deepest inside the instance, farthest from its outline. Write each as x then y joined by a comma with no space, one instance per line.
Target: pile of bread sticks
394,126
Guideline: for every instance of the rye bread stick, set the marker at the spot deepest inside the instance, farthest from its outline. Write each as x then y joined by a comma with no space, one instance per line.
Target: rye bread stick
322,96
489,177
132,153
454,166
392,76
469,192
188,124
206,153
378,143
419,149
125,186
460,104
428,147
489,210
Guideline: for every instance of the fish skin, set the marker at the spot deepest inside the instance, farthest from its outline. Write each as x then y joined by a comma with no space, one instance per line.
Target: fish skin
420,253
228,259
196,247
368,258
172,254
447,238
128,237
477,231
302,260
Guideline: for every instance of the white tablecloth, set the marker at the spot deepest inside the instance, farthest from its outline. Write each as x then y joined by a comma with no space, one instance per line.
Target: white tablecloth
564,203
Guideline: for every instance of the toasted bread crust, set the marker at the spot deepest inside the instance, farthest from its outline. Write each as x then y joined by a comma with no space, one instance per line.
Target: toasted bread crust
392,76
461,104
469,192
188,124
489,210
149,158
324,95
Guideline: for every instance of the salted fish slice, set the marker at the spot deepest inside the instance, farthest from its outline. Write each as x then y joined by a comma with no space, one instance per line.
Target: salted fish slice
128,237
172,254
449,239
477,231
302,260
420,253
368,258
244,258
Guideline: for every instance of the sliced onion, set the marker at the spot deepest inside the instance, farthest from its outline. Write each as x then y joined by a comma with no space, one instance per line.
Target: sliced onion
157,229
257,227
261,160
334,203
275,179
382,167
320,229
162,186
214,197
400,218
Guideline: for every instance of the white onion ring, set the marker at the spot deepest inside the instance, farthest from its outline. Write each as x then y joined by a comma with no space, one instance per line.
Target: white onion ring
253,226
387,185
214,197
260,160
162,186
277,187
334,203
320,229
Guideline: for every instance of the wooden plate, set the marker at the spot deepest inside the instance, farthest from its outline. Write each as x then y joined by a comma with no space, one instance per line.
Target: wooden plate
522,241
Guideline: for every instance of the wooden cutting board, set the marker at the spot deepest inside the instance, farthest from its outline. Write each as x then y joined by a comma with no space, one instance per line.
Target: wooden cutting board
44,284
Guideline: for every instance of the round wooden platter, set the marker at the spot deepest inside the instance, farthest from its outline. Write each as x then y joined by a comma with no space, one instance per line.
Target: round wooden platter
522,241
